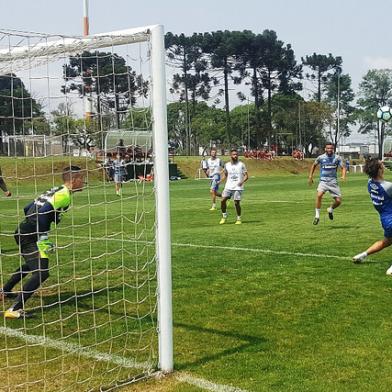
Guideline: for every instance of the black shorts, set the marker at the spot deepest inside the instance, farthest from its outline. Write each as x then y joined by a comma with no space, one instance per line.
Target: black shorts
27,241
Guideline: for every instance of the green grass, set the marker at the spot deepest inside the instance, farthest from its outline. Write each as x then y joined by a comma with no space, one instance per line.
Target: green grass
257,320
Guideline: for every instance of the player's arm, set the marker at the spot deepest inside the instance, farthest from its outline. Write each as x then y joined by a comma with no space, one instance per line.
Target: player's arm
224,175
344,170
311,173
246,177
3,186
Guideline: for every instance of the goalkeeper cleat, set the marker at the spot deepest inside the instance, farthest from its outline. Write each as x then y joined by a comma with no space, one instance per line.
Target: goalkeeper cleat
238,222
389,271
316,221
222,221
14,314
359,258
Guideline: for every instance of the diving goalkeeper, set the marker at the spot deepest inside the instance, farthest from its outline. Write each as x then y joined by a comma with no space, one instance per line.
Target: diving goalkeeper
32,238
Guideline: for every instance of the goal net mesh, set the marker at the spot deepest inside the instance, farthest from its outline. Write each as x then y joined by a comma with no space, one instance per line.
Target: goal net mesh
92,323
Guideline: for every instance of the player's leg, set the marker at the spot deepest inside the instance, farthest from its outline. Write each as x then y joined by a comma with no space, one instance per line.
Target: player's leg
319,198
39,268
376,247
335,192
225,196
237,204
213,188
335,204
28,248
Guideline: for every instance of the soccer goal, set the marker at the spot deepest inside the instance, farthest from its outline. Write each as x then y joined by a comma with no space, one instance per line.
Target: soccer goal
103,317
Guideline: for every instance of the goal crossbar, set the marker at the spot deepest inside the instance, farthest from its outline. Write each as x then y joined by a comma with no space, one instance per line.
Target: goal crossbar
65,46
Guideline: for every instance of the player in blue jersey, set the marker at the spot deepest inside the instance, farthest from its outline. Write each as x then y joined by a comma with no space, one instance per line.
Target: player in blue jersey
213,167
32,238
380,192
329,164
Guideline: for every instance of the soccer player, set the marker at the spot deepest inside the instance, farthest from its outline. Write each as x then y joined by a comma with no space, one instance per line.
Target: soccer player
213,168
236,175
3,186
32,238
119,173
380,192
329,163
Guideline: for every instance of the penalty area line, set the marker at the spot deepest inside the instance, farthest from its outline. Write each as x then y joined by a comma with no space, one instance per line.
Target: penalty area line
266,251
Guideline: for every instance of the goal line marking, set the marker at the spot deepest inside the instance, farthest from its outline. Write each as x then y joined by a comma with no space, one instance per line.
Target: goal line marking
205,384
72,348
112,358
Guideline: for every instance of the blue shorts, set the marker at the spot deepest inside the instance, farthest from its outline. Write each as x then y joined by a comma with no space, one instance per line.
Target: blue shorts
387,232
215,180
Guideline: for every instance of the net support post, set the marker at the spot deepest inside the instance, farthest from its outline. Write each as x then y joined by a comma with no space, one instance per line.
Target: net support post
161,181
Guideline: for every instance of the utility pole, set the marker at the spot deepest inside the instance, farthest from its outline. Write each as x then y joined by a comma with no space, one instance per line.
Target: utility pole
88,107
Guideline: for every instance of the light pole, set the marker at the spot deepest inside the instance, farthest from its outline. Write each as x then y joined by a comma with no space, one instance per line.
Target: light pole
339,71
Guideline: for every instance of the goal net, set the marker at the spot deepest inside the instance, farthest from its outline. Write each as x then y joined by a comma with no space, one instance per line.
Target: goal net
103,316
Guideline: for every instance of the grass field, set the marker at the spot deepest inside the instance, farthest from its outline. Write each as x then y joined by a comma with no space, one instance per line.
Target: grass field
273,305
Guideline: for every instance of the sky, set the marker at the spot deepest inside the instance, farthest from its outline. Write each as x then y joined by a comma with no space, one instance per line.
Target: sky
357,30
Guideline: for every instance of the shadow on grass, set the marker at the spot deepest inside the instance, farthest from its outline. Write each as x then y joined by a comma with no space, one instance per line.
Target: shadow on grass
249,341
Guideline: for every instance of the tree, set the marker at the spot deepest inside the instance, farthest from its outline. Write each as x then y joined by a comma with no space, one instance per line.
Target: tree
339,95
222,47
375,90
107,76
315,116
321,66
18,109
193,81
20,113
271,67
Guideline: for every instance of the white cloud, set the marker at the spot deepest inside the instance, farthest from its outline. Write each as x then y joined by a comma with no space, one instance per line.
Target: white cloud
378,62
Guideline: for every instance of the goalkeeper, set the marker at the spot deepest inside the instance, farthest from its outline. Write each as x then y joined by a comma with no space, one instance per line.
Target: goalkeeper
32,237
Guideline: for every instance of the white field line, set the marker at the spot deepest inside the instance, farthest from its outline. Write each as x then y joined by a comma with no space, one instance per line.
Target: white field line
266,251
205,384
75,349
111,358
232,248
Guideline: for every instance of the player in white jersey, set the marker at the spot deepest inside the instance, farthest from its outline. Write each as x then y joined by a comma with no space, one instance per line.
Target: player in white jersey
329,164
213,167
236,175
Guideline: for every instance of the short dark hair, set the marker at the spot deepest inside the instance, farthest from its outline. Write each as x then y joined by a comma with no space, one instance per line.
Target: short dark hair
329,144
233,149
69,170
372,167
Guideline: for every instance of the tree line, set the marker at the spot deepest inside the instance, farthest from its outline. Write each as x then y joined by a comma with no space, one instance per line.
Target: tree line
272,105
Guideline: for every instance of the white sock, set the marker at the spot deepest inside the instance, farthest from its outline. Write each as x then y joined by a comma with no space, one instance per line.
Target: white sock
317,213
213,205
330,209
224,214
238,218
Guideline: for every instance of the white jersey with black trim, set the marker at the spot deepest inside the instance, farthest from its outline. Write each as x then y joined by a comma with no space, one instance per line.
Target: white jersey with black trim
235,174
214,166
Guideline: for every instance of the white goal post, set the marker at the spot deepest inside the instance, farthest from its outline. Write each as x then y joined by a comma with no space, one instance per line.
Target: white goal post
36,54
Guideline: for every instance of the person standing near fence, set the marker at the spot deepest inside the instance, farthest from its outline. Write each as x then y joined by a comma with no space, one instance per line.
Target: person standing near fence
119,173
3,186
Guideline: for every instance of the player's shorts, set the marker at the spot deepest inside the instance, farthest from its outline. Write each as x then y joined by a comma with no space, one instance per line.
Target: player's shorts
387,232
215,180
118,177
228,193
331,187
